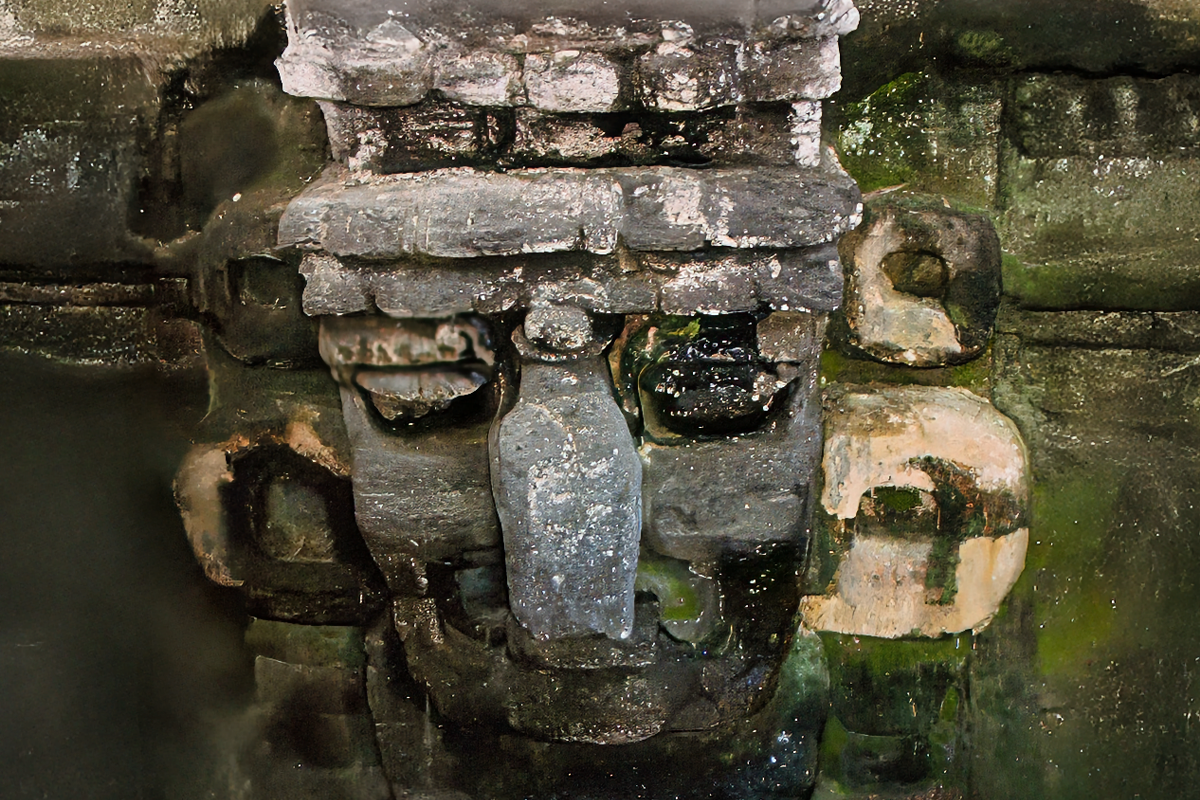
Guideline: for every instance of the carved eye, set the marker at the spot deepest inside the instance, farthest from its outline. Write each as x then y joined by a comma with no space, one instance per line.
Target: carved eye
704,376
408,395
410,370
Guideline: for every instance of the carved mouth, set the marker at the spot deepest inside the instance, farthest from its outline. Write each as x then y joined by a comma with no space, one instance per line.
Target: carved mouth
478,665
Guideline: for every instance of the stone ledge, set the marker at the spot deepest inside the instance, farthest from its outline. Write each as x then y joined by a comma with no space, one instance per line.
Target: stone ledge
565,66
463,213
797,280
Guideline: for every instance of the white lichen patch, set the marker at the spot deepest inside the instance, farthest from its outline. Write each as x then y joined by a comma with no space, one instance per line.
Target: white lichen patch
570,81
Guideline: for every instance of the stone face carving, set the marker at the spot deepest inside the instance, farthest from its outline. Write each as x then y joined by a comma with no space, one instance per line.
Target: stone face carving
580,409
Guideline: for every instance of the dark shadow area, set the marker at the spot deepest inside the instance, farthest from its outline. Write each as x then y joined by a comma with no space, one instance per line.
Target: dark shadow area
120,665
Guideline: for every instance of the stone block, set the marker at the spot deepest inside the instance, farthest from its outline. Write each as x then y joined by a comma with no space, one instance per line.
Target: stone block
101,336
362,56
689,74
480,77
791,337
424,136
971,461
389,66
457,214
567,483
603,707
333,288
309,645
466,214
69,169
805,123
421,494
1091,231
1059,116
321,689
936,135
797,280
922,282
756,486
570,81
809,69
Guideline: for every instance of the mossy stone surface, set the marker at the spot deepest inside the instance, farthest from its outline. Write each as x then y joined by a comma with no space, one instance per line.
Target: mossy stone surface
1084,688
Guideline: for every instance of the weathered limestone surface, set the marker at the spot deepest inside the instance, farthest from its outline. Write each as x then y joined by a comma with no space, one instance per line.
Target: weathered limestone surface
568,493
1099,180
467,214
442,506
748,499
629,283
1109,415
933,132
69,169
419,493
166,28
434,134
1081,36
871,438
366,56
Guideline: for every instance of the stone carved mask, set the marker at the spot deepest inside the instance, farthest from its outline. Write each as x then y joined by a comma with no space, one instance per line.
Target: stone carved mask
579,412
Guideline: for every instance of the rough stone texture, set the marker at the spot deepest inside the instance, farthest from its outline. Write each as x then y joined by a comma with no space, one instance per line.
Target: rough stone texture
480,78
411,371
922,282
686,76
567,482
1115,330
755,487
551,18
805,123
791,71
466,214
101,336
638,650
364,56
1086,673
435,134
420,494
384,140
877,439
348,344
164,27
608,708
791,337
1059,116
1084,36
713,281
934,133
1087,184
224,491
571,81
69,169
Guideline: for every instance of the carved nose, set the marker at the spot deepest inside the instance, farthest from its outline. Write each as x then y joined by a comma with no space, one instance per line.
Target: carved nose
567,482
